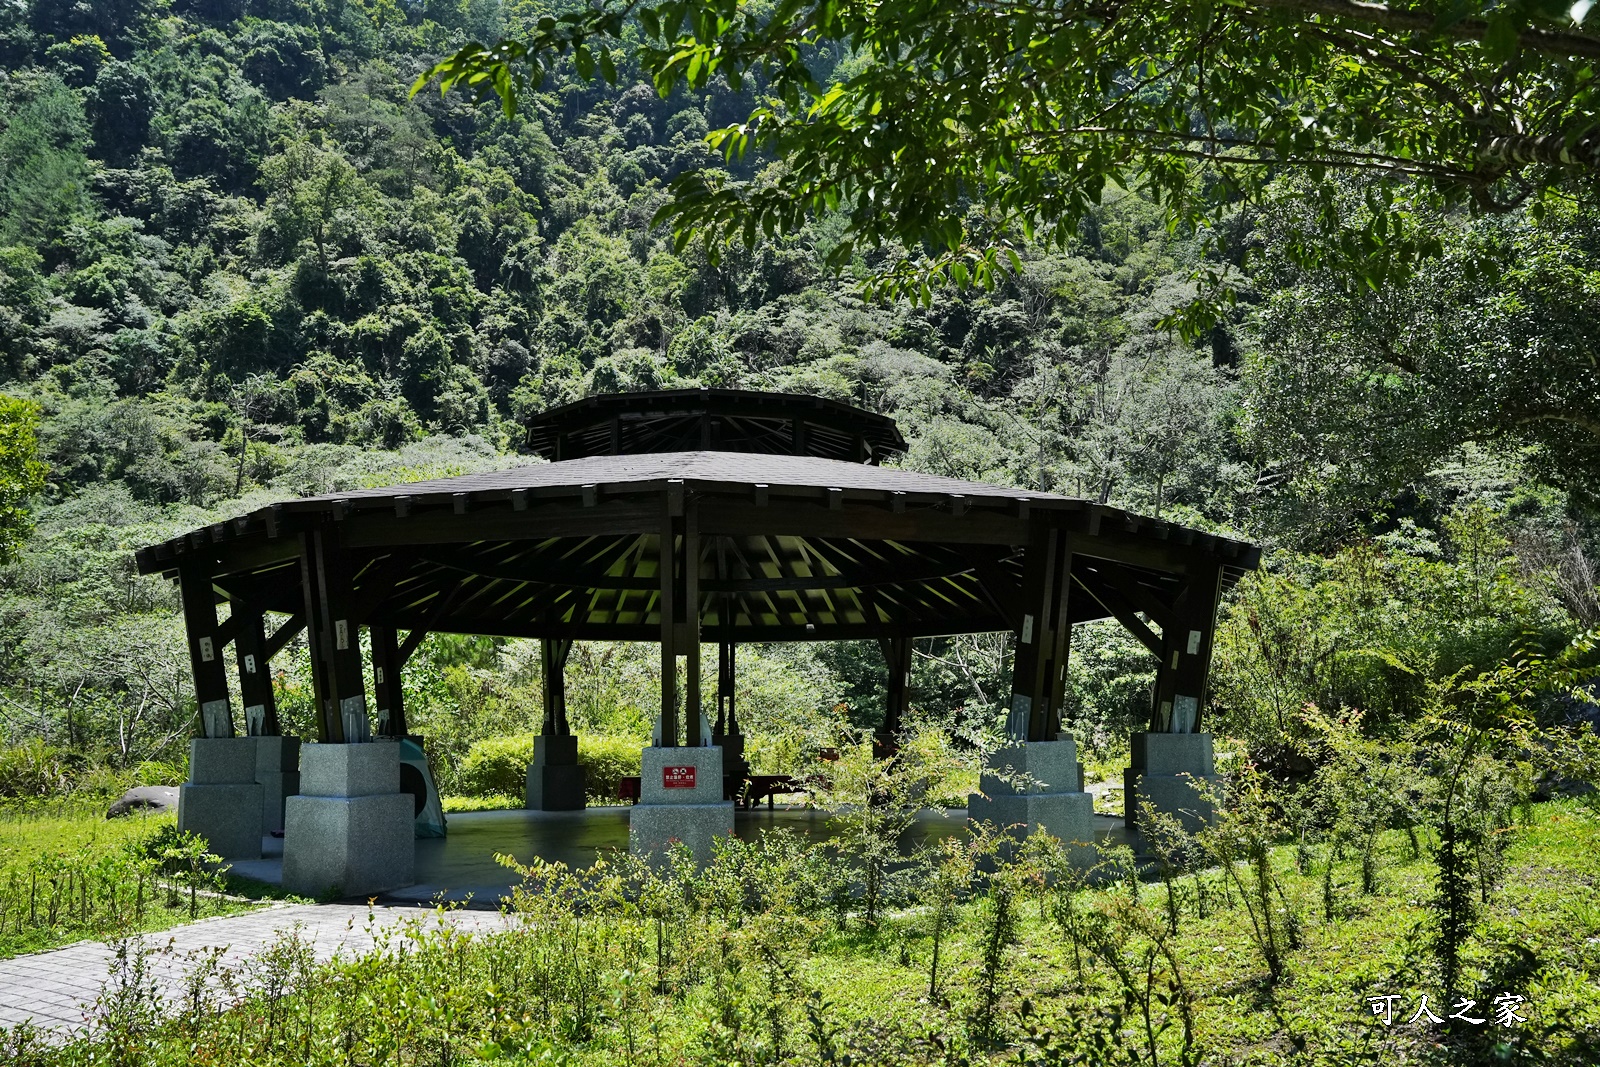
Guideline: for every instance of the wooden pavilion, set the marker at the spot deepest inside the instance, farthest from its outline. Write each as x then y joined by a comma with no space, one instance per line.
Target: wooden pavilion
689,517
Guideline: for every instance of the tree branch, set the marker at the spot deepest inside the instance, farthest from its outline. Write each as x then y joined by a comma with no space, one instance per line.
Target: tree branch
1550,42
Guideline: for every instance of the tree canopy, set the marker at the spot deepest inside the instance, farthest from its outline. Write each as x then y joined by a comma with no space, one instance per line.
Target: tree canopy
955,128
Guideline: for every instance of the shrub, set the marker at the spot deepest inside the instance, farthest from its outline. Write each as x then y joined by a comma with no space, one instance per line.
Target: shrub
496,765
606,760
500,764
33,769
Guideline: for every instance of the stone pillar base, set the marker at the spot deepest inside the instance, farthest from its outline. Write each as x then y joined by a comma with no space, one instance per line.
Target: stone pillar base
221,800
227,816
734,765
555,782
1172,773
654,828
348,846
680,799
278,774
350,832
1053,801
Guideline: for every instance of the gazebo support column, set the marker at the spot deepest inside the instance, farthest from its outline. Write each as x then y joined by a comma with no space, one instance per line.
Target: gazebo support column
220,800
725,732
277,757
350,830
897,687
1049,795
681,787
1172,768
555,781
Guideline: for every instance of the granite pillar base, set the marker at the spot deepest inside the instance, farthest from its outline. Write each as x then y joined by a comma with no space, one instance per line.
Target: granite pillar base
221,800
555,782
1174,774
278,774
227,816
350,831
1037,786
680,800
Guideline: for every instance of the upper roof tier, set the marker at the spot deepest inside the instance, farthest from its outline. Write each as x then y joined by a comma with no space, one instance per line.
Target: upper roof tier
718,420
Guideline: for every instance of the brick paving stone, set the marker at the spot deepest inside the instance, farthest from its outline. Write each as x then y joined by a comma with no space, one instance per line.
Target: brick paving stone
56,991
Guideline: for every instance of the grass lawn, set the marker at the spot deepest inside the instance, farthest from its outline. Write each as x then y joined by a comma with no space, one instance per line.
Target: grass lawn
740,965
68,873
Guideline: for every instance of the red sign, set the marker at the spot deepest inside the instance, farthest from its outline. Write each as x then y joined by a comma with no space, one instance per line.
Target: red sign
677,777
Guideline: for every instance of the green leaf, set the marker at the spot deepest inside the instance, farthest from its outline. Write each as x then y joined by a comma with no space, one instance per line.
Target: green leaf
1500,36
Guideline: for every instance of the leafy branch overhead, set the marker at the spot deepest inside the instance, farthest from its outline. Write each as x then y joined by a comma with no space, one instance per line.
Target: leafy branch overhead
959,125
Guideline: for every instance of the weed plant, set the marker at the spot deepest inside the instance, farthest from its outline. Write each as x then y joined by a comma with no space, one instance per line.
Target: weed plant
752,960
65,875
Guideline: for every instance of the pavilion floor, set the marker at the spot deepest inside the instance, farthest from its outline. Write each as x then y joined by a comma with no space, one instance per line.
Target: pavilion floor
461,867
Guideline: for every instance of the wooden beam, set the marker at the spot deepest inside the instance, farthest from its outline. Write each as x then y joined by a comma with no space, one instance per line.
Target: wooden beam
285,633
388,688
689,611
255,672
666,574
1135,593
205,650
1120,610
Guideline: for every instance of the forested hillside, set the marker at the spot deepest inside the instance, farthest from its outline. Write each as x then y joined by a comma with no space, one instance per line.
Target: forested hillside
238,261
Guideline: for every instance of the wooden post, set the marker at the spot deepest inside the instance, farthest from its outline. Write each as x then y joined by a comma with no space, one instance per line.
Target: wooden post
1042,643
689,612
334,637
667,573
1185,667
553,659
388,692
205,651
897,664
727,680
255,672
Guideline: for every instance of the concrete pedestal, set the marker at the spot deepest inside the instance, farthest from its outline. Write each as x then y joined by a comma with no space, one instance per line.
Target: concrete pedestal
680,799
221,800
734,765
1051,799
555,781
1173,773
278,775
349,832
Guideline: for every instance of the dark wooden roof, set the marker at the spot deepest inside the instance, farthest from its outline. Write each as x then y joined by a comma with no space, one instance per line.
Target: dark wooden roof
724,420
792,548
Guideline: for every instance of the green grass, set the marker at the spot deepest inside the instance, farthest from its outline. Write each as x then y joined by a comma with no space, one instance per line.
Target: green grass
92,873
776,984
488,802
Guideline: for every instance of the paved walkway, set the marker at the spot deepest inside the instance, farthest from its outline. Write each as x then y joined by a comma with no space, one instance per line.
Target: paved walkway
56,991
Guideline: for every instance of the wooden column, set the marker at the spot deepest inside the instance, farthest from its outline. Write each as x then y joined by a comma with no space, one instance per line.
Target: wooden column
897,662
553,661
689,639
205,651
334,636
388,693
1186,651
727,680
1044,639
667,568
255,672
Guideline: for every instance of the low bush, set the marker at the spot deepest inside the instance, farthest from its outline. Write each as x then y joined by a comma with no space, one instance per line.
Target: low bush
499,765
34,769
605,761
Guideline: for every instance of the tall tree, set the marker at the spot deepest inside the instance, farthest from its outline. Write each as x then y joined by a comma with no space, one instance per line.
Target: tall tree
962,123
21,473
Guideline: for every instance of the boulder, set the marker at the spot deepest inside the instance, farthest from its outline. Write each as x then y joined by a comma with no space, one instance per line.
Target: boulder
145,798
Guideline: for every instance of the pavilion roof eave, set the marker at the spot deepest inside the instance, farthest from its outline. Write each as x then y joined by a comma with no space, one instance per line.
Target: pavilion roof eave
590,482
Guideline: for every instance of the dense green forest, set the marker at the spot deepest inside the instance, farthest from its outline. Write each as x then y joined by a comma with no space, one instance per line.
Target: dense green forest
239,262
